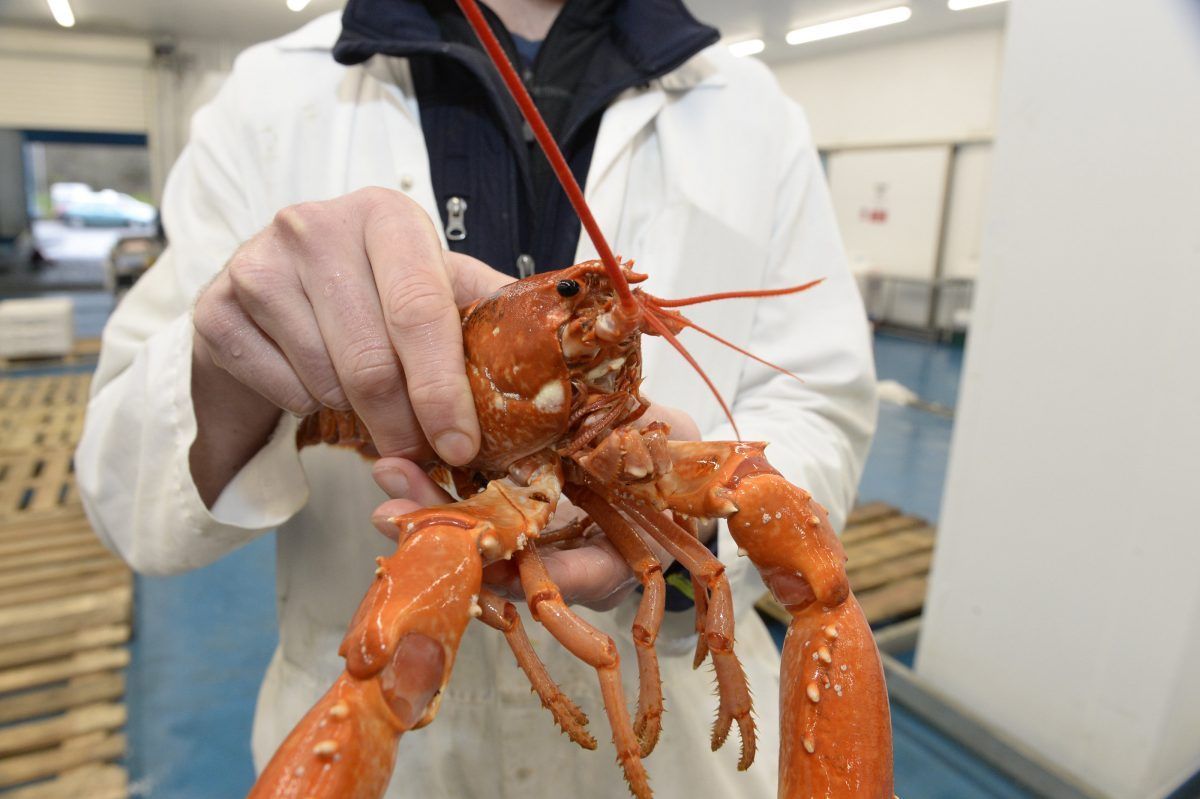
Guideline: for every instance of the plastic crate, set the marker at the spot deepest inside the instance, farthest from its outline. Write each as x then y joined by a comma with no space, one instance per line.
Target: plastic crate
37,328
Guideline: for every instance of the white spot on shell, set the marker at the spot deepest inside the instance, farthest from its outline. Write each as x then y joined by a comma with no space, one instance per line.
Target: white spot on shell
814,693
766,518
495,331
340,711
475,610
549,397
326,749
842,667
778,514
742,552
810,745
824,653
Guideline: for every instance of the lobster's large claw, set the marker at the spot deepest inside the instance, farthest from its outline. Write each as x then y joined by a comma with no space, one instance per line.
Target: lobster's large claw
834,716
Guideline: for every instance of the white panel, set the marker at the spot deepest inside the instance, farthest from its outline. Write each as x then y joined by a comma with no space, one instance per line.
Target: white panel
889,208
1064,605
71,81
935,88
964,222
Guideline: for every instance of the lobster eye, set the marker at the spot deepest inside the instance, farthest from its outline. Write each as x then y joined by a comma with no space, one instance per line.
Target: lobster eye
568,288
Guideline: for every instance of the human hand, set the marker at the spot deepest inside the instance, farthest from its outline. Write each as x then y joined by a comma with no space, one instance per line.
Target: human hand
351,302
590,573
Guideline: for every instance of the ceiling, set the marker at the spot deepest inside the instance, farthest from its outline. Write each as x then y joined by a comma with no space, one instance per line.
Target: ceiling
253,20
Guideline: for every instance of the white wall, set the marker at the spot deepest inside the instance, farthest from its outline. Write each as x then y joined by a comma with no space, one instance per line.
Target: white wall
73,81
939,88
1064,605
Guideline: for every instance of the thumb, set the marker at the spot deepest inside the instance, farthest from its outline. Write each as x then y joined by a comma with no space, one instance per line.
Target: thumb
471,278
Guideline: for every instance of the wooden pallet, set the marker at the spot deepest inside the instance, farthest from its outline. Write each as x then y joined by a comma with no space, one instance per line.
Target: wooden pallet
85,351
65,608
887,559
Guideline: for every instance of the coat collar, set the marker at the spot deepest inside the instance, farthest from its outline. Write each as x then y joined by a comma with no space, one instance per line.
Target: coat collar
639,25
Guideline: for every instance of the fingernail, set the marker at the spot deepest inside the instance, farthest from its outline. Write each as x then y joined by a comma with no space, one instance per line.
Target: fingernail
454,447
386,525
393,482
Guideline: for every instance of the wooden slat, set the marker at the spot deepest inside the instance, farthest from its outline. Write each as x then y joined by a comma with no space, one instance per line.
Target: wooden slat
80,663
83,585
36,525
35,735
62,645
894,600
91,748
889,571
880,527
87,551
59,616
79,691
61,571
884,548
33,543
90,782
868,513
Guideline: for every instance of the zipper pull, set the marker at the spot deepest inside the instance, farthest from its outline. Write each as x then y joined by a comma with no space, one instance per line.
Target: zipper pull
456,213
524,265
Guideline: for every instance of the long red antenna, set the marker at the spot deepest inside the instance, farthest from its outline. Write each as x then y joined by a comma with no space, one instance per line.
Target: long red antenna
546,141
732,295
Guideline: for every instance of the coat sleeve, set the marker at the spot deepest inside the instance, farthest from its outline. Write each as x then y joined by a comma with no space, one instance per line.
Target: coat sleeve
132,461
819,429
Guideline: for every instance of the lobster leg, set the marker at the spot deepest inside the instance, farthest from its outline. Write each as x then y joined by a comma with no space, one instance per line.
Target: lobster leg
401,644
734,693
835,720
594,648
648,723
501,615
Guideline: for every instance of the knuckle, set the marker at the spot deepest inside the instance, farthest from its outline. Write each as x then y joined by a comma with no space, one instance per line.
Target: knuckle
417,302
297,401
250,273
432,393
371,370
297,220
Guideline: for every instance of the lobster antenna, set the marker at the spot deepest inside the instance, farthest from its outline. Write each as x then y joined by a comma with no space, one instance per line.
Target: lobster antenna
731,295
685,322
546,141
661,328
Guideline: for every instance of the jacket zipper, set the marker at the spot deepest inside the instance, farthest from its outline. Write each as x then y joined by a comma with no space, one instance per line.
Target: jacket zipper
456,219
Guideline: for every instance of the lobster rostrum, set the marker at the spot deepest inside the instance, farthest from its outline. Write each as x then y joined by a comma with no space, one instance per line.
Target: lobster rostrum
554,363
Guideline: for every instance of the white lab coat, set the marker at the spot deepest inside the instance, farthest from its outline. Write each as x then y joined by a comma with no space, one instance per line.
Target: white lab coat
708,177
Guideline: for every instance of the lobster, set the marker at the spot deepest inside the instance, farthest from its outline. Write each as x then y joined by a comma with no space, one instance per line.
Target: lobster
554,363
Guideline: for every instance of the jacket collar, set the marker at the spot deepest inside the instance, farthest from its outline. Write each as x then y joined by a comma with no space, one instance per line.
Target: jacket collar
370,27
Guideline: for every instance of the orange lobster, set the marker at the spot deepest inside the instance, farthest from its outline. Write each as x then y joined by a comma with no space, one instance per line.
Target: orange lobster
554,363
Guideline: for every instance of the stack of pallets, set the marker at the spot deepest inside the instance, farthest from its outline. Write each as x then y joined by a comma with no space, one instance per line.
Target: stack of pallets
887,559
65,605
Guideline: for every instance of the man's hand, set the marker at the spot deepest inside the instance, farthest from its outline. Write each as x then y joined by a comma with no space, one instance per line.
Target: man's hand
347,303
593,574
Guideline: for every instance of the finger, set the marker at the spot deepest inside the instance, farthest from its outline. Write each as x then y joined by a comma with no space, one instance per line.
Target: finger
237,345
385,516
471,278
424,326
336,277
276,301
594,575
683,427
503,578
400,478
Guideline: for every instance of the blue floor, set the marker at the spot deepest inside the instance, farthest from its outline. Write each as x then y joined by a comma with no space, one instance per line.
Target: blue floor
203,639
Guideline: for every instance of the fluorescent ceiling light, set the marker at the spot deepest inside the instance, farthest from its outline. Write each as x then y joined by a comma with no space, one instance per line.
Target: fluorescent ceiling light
297,5
961,5
840,27
747,47
61,10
